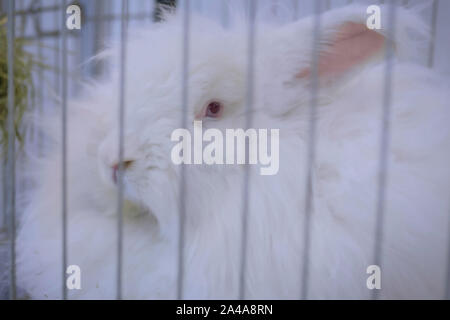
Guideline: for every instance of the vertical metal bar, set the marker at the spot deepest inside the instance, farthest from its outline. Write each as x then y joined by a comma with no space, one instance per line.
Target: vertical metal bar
152,10
384,140
447,283
248,124
19,31
107,27
274,8
56,52
11,170
311,149
433,33
6,178
182,190
4,162
121,114
5,182
40,82
296,10
224,15
327,5
64,79
99,34
78,42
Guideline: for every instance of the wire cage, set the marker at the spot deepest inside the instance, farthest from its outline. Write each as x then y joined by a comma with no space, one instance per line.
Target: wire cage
62,54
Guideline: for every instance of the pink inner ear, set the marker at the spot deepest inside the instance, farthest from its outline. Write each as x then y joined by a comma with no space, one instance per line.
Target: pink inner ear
353,45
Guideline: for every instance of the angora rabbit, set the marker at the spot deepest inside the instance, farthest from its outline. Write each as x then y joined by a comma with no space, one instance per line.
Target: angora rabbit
351,73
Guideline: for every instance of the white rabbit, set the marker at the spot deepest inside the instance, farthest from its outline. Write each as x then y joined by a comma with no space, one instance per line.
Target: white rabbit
344,186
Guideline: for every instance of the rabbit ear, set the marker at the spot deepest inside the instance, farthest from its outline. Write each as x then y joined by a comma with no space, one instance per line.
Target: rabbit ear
352,45
345,41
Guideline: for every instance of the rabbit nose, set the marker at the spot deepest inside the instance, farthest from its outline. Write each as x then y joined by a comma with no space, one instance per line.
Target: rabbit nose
115,168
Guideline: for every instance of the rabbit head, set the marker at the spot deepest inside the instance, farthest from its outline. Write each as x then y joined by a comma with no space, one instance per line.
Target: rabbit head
217,67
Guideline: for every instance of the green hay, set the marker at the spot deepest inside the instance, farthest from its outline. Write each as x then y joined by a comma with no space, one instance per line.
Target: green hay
23,82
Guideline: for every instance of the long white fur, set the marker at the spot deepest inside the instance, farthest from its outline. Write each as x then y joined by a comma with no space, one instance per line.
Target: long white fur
344,185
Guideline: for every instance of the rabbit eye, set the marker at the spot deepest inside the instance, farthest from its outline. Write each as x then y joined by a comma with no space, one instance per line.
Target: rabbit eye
214,109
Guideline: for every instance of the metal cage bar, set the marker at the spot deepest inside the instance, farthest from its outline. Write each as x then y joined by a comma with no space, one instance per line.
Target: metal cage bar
311,148
64,145
384,139
56,51
121,114
4,196
434,14
296,9
447,282
40,85
248,124
11,156
182,187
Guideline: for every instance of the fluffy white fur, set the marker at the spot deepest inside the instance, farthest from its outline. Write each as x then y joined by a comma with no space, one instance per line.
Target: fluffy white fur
344,177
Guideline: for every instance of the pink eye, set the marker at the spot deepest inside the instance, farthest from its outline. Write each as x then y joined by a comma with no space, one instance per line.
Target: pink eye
214,109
